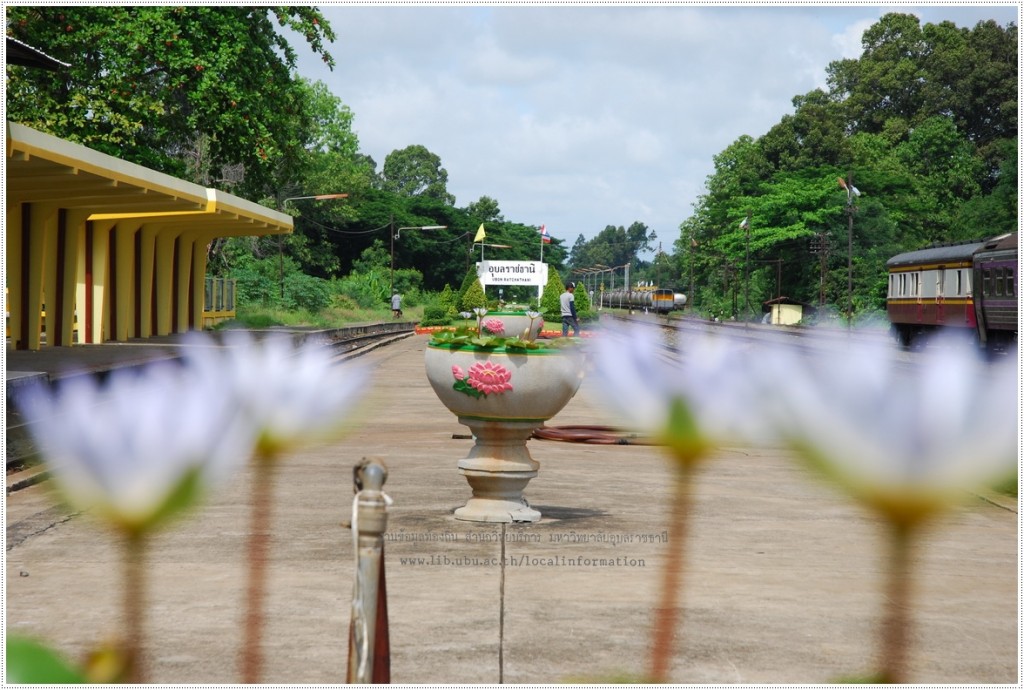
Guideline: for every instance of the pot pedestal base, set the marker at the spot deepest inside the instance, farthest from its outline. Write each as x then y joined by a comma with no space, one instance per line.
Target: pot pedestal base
498,468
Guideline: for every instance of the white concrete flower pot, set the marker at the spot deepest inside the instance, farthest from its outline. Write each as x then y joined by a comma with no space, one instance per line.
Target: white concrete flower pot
502,397
515,324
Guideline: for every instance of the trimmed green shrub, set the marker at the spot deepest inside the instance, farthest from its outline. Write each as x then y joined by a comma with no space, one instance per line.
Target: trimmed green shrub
435,315
474,296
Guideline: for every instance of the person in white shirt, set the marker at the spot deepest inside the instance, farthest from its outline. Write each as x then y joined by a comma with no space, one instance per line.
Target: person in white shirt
569,318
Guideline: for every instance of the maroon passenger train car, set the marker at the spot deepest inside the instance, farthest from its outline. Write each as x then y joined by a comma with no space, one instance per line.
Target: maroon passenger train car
996,296
971,285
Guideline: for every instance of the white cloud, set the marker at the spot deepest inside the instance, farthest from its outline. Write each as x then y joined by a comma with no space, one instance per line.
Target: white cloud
582,117
848,43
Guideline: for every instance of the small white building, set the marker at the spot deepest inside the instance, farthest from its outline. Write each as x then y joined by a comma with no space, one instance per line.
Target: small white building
786,311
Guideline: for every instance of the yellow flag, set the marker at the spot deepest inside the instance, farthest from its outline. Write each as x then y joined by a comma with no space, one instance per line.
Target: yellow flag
480,234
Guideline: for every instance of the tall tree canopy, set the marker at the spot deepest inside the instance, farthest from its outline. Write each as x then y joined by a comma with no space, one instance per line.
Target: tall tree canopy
923,124
166,85
612,247
415,171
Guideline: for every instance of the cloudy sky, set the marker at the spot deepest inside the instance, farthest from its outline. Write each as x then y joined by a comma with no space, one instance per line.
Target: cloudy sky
581,117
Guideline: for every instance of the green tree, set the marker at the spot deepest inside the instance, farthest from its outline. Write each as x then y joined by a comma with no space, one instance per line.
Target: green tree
814,135
886,83
994,213
474,296
614,246
486,209
584,310
181,89
448,301
550,306
415,171
932,150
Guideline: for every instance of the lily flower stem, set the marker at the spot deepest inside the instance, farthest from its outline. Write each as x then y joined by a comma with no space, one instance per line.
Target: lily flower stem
259,541
669,613
896,627
134,607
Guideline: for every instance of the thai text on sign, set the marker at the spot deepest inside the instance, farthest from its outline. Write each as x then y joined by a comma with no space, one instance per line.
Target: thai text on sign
512,272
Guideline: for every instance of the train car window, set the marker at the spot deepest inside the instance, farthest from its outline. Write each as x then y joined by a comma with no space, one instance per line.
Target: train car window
986,282
959,282
1010,284
999,282
915,287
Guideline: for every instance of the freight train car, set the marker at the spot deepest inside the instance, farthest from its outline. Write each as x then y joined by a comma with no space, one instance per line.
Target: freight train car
644,297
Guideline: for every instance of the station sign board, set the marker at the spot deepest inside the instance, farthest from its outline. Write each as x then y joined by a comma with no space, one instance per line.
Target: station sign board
512,273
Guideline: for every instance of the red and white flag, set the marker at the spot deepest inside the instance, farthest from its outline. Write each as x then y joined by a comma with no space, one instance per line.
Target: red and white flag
544,236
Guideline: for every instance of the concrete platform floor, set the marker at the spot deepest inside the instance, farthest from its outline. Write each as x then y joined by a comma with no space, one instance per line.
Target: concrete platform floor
783,583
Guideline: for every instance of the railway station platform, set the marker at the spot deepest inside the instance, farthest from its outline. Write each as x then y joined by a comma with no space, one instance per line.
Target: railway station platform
783,582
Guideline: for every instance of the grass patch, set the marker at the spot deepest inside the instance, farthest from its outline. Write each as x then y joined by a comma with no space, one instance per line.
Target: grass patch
1008,487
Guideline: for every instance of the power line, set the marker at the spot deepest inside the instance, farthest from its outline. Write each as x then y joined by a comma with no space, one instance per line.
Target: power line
383,227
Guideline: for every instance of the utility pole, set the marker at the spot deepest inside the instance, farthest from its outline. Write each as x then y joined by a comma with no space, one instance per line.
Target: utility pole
280,242
819,246
746,269
693,250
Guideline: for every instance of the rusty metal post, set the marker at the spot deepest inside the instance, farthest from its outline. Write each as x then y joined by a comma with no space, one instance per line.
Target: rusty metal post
368,632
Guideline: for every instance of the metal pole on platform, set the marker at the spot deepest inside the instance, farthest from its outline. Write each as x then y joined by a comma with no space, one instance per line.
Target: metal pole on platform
369,646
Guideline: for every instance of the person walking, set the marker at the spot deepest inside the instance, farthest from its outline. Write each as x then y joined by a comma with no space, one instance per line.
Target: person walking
396,305
569,318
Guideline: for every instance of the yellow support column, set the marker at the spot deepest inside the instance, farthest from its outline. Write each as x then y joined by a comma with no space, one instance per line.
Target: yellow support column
163,282
146,269
14,252
41,267
199,245
101,271
124,272
186,249
70,241
81,291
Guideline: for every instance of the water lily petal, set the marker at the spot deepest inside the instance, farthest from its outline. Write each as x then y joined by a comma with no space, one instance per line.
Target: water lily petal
126,446
713,377
906,439
292,394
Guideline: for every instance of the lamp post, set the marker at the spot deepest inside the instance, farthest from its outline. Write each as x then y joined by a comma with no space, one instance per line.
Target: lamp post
492,246
280,242
691,299
851,192
849,255
745,224
397,234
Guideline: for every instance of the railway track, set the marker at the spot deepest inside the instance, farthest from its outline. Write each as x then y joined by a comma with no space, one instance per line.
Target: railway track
810,338
22,464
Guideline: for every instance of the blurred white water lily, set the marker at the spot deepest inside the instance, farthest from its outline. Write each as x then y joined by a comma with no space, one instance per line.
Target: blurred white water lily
290,394
138,447
694,397
906,439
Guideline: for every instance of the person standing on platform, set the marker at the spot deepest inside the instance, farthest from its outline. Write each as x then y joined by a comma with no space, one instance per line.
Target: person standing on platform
569,318
396,305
